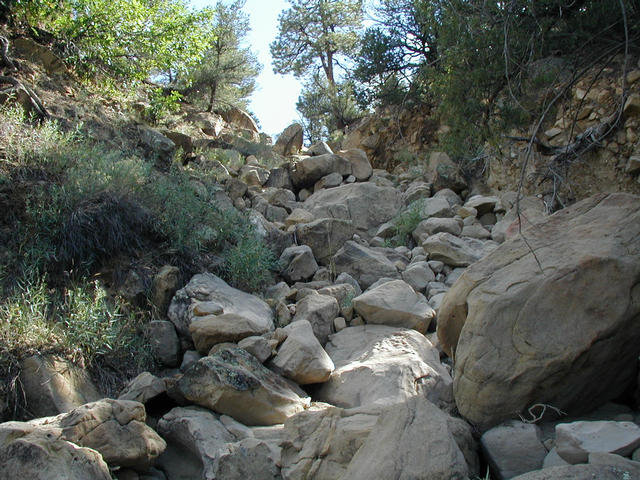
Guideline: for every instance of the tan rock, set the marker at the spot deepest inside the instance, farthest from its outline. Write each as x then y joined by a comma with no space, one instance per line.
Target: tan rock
320,442
325,236
115,428
395,304
364,264
301,357
289,141
233,382
319,311
376,364
52,385
207,294
42,453
415,440
228,327
366,204
520,339
196,439
165,284
360,165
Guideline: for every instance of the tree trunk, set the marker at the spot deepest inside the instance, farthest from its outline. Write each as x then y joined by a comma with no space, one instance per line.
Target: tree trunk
212,96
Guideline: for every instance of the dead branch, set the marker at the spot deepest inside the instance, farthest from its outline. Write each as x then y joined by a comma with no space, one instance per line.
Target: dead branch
25,96
4,55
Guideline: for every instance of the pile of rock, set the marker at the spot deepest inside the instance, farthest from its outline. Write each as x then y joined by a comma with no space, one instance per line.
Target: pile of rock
339,360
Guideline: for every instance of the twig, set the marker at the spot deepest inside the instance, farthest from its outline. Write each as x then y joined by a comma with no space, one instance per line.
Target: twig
536,418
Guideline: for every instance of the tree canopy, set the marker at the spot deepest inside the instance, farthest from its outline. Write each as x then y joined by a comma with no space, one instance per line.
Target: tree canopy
227,72
129,39
317,32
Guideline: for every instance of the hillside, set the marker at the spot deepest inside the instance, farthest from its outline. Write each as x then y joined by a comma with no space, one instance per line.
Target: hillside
183,297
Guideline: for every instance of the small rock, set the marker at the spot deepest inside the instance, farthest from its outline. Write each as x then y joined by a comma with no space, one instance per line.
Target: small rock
513,448
576,440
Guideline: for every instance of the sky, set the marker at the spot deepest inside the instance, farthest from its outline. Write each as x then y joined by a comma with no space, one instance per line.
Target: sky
274,101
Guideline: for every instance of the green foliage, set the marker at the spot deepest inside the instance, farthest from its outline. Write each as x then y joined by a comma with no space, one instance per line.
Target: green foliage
79,323
316,32
471,58
226,74
326,109
162,105
96,203
127,38
249,263
406,223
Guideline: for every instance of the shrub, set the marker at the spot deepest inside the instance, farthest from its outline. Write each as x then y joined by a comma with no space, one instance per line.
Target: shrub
406,223
79,323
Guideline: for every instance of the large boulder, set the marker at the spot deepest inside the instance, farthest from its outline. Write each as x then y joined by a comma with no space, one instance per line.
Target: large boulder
364,264
324,236
233,382
52,385
366,204
415,440
240,118
308,170
455,251
289,141
360,164
396,304
33,452
301,357
376,364
207,295
196,439
298,263
249,458
115,428
320,442
529,328
210,330
319,311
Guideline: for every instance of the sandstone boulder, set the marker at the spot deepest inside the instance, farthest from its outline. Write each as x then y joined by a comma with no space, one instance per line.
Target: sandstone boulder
42,453
210,330
206,295
115,428
233,382
455,251
360,165
527,330
319,311
415,440
395,304
301,357
578,472
289,141
249,458
52,385
308,170
325,236
240,118
376,364
366,204
298,263
320,442
364,264
196,439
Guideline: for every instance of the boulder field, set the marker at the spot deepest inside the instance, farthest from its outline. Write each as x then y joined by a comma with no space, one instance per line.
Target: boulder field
385,349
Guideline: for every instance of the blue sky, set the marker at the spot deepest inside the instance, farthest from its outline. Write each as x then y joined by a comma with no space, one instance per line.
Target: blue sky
274,101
